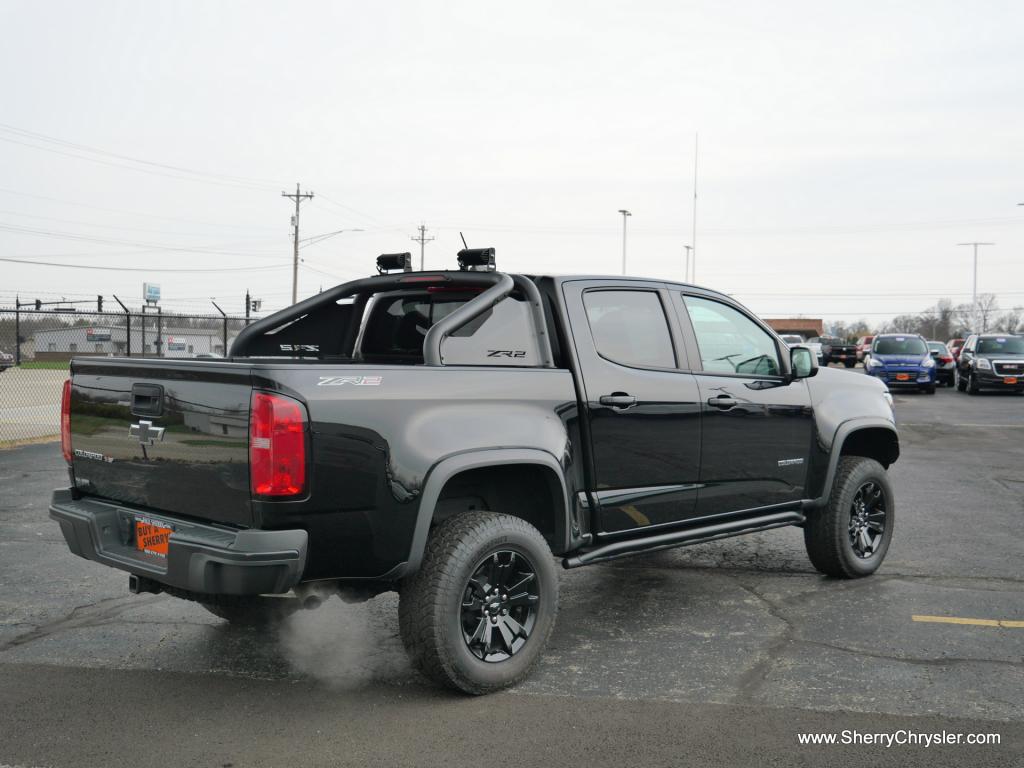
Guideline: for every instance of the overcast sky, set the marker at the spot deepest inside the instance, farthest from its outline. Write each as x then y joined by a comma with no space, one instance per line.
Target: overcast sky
845,149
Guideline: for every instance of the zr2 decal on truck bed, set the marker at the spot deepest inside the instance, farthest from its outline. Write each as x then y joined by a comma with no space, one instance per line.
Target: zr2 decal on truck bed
356,381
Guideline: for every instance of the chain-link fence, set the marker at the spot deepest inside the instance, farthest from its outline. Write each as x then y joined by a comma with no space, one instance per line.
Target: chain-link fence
36,346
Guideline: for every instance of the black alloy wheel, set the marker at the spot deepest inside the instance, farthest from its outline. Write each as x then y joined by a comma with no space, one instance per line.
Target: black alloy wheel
499,606
478,612
867,520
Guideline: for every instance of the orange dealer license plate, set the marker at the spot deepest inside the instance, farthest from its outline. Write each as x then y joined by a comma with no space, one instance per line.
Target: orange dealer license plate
1010,380
151,537
902,377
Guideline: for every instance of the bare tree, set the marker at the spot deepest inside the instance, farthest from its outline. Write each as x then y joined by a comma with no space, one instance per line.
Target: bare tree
1011,321
988,306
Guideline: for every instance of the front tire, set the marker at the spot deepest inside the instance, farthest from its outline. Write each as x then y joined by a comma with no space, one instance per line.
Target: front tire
961,385
478,613
972,384
849,537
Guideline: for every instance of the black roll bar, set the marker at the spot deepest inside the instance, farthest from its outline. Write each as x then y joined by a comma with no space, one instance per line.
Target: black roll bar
498,286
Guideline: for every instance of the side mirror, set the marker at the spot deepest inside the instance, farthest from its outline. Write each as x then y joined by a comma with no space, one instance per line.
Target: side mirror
802,363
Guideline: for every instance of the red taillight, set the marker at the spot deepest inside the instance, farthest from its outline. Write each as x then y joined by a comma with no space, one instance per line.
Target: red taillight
946,359
277,445
65,421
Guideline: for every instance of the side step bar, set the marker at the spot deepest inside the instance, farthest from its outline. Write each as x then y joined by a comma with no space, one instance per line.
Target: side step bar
683,537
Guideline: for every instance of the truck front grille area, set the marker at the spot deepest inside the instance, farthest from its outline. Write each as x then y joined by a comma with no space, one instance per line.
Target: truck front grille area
1009,368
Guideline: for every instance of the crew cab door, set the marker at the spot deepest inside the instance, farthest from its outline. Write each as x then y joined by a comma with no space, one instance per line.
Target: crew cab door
756,428
641,405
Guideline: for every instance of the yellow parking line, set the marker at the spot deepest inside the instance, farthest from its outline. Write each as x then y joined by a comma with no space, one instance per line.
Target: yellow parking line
972,622
636,515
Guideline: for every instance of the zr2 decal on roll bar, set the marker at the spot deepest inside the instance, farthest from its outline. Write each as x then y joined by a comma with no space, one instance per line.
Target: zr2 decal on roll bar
506,353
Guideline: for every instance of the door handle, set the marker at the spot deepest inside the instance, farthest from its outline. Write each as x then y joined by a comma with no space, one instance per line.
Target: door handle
722,401
618,400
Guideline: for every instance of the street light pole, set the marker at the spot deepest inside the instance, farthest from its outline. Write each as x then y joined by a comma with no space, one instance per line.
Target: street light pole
688,248
625,214
974,290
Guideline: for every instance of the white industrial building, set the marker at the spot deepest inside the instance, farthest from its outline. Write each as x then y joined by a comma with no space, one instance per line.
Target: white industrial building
67,342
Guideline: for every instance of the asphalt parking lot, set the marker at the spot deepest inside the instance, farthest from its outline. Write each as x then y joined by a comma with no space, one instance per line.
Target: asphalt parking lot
718,654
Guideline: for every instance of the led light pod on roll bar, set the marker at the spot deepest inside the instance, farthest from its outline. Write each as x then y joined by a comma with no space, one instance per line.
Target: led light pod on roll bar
387,262
477,259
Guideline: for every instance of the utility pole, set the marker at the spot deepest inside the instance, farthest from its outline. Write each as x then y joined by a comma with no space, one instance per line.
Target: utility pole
225,316
17,330
688,248
625,214
974,290
298,197
693,236
422,240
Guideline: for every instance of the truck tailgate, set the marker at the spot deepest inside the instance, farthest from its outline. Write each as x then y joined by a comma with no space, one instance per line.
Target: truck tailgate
166,435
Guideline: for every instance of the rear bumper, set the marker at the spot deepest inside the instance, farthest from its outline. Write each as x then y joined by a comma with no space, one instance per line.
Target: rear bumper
201,558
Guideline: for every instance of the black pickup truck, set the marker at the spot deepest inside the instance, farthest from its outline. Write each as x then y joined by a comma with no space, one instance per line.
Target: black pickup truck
445,433
836,350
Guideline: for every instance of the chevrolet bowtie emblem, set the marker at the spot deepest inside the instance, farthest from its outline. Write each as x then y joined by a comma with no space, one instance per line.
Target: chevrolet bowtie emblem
146,432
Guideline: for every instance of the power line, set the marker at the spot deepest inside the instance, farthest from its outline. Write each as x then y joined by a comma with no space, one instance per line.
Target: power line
298,197
122,211
141,269
217,178
422,240
108,241
348,208
79,222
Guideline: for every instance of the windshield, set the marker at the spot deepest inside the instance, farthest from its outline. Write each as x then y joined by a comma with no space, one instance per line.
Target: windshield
1001,345
937,346
899,345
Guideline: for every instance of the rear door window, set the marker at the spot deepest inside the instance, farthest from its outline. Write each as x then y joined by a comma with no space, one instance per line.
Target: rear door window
630,328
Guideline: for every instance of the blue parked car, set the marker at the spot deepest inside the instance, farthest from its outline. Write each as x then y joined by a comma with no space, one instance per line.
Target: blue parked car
902,360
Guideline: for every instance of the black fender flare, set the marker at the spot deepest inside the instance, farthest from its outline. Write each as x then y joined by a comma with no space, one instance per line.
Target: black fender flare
450,466
843,432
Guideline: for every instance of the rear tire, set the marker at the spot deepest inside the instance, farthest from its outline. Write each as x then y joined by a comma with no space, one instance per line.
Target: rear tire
459,626
849,537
